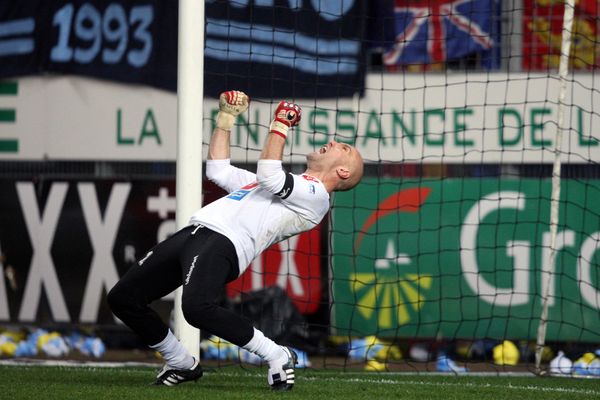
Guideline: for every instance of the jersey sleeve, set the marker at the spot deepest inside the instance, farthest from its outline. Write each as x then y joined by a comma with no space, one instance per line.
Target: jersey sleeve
305,196
227,176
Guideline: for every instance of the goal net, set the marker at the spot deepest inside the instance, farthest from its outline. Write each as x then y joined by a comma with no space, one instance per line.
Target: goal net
472,240
446,249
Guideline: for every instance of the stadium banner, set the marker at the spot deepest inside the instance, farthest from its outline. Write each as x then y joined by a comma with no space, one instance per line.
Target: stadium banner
542,35
465,258
485,118
120,40
65,243
296,49
267,48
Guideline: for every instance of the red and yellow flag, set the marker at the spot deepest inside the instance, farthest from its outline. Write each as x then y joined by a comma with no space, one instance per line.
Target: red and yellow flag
542,34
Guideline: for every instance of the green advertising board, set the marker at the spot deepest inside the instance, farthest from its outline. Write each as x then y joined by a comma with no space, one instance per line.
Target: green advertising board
465,258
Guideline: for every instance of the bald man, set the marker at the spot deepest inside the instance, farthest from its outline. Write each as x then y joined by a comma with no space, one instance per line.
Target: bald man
224,237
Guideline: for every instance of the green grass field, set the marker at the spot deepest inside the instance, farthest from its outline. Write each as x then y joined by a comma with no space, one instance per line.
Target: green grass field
43,382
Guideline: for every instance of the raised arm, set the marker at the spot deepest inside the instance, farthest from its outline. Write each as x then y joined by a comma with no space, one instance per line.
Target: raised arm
218,167
269,172
307,197
219,145
231,104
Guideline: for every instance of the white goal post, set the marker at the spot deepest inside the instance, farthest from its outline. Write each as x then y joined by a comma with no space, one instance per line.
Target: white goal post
190,93
562,127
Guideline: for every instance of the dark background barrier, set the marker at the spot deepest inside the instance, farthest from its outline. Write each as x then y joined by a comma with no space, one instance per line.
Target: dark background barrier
65,243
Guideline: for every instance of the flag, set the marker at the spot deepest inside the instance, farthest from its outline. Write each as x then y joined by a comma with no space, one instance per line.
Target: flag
435,31
542,35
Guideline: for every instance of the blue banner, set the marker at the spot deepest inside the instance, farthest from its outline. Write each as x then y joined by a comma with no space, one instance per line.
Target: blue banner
292,48
268,48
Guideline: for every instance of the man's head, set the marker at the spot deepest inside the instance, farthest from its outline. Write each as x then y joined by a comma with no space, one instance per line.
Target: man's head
337,164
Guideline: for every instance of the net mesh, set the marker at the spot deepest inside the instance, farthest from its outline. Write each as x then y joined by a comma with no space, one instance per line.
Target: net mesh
437,257
439,254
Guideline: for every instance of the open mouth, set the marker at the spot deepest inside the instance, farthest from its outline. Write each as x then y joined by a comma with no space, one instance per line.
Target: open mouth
323,150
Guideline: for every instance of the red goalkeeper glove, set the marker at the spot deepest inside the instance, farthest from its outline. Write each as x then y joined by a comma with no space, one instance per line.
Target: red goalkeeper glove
231,104
286,115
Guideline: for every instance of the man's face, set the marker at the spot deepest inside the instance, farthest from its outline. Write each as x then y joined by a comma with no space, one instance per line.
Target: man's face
331,155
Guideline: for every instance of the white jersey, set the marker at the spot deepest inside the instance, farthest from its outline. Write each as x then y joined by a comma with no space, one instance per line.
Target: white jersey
262,208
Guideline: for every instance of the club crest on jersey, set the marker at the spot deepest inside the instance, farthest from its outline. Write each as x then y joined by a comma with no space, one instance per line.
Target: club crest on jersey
242,192
311,188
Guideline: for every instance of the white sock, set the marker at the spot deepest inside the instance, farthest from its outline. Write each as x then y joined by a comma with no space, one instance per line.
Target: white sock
267,349
175,355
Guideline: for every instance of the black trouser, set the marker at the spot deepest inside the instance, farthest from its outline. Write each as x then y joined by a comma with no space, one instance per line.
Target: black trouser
200,259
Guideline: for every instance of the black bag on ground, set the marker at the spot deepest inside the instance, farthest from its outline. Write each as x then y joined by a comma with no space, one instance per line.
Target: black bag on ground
274,313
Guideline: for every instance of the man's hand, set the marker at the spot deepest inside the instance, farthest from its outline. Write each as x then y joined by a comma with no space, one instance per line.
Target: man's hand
231,104
286,115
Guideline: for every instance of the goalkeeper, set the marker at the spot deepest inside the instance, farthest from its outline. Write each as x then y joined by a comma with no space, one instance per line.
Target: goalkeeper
225,236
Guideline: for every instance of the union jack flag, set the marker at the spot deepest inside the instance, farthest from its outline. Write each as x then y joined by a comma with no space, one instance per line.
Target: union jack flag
433,31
